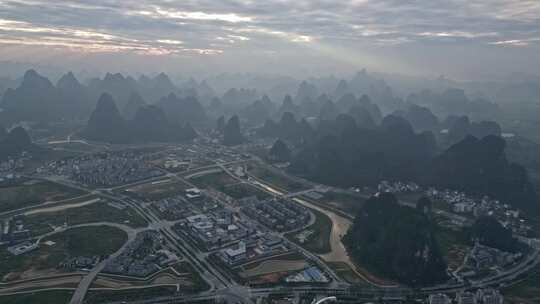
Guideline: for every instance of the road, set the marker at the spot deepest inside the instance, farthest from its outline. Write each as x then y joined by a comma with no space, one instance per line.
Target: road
87,279
340,225
84,284
224,287
335,278
221,286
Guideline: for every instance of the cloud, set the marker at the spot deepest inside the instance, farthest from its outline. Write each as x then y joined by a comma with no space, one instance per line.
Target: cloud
457,34
169,41
175,14
269,28
516,42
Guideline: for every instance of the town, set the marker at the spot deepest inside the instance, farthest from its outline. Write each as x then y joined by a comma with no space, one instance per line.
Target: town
181,207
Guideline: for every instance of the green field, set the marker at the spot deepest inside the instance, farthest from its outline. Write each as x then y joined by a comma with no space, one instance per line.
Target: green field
156,191
41,223
448,238
239,191
277,180
345,272
43,297
214,180
525,292
32,193
84,241
90,241
347,203
319,241
128,295
199,284
182,273
292,256
534,221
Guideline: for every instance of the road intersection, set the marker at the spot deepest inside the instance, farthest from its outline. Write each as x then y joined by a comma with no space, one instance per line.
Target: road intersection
221,285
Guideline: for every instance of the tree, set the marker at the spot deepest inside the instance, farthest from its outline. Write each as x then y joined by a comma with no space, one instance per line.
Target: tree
480,166
220,124
15,142
232,135
280,152
424,205
343,154
396,241
3,132
489,232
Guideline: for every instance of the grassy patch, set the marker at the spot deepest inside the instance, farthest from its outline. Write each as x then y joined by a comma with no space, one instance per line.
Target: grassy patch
441,205
409,197
279,180
49,297
448,238
344,271
293,256
128,295
85,241
182,273
41,223
91,241
526,292
199,284
33,192
156,191
453,245
534,221
347,203
216,180
319,240
239,191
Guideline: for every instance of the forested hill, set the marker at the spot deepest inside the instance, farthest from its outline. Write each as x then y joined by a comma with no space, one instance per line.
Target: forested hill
397,242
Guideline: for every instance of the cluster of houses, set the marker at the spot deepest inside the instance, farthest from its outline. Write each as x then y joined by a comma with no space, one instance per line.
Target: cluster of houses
103,169
9,167
482,258
216,229
398,187
461,203
142,257
23,248
13,230
309,275
172,208
252,248
278,214
481,296
201,152
192,201
80,262
175,160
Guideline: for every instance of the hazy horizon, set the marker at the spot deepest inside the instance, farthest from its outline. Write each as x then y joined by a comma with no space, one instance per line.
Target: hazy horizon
462,40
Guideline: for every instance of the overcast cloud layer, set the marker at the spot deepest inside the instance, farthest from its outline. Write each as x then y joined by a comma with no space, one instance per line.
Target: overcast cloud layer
460,38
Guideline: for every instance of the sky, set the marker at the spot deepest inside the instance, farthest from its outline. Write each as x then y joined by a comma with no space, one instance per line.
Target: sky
462,39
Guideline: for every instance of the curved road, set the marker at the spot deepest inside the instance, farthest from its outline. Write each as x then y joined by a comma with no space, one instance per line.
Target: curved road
84,284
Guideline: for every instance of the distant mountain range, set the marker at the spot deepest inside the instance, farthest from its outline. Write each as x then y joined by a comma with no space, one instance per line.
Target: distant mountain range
36,99
149,124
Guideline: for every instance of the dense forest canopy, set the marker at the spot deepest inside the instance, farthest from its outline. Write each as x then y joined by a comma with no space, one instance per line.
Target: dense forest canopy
396,241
